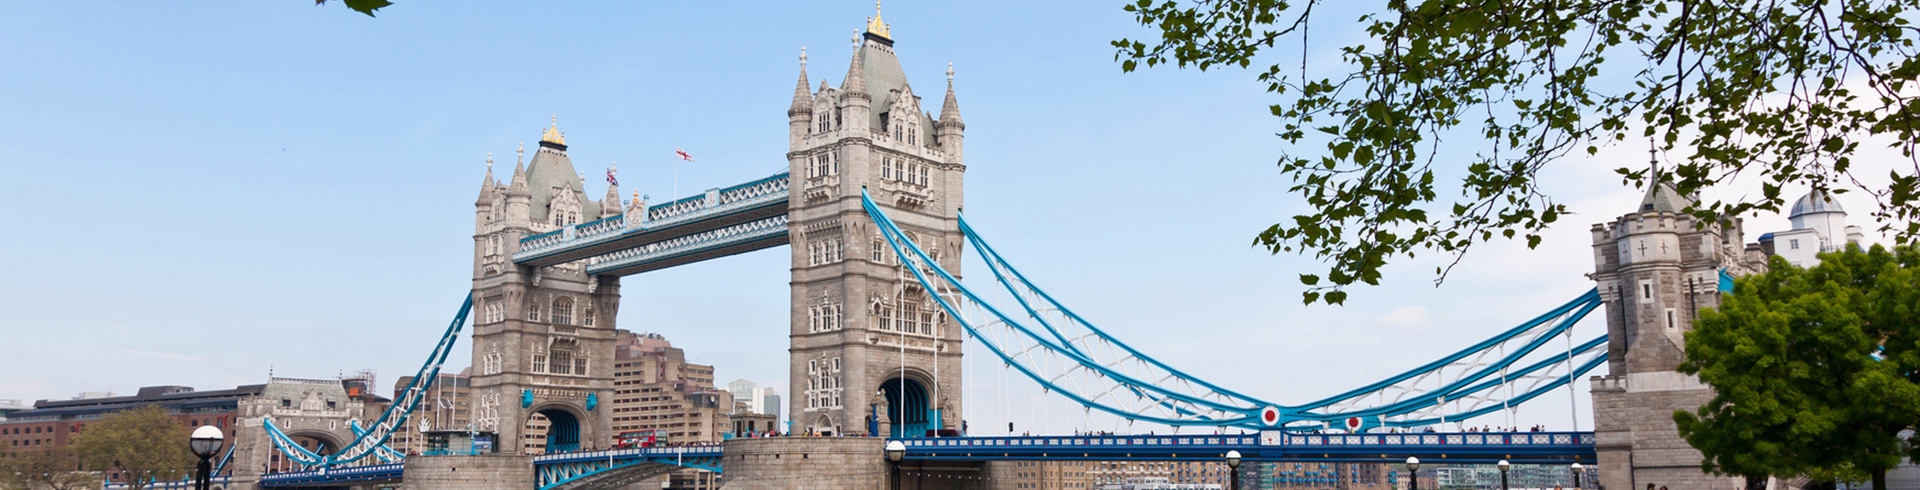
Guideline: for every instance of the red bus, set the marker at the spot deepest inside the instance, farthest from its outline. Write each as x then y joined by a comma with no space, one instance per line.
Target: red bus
640,438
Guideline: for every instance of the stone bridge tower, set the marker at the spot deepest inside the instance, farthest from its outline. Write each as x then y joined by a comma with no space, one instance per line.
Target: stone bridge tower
1655,268
861,324
542,336
316,413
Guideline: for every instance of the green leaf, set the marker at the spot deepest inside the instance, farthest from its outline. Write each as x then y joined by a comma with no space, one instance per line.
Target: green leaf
366,6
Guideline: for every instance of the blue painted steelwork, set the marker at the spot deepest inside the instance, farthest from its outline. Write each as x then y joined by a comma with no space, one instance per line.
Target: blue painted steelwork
1099,372
325,476
755,200
385,452
563,431
557,470
1270,445
910,414
371,442
749,235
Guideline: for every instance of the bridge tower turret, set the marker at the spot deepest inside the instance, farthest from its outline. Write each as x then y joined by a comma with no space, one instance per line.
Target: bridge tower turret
860,325
542,336
1655,268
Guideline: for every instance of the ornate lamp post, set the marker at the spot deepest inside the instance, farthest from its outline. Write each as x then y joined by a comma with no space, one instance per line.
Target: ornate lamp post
1577,469
1503,473
895,451
1233,470
1413,473
205,441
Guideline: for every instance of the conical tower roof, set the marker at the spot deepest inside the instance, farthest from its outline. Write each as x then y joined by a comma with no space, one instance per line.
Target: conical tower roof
1663,196
517,186
950,110
487,186
802,99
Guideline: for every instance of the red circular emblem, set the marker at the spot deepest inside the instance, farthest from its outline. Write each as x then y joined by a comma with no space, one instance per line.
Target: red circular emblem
1353,423
1270,416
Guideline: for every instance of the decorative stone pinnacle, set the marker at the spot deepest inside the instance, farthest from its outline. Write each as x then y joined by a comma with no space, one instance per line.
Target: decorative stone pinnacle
949,72
803,56
522,152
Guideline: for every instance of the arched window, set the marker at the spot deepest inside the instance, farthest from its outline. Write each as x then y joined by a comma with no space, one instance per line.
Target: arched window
563,310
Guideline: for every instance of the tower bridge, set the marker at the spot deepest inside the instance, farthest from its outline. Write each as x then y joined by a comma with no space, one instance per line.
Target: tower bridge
870,206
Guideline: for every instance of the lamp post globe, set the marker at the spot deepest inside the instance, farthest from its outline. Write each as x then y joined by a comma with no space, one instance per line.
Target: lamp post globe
1233,470
1413,473
1576,474
895,451
1503,473
204,442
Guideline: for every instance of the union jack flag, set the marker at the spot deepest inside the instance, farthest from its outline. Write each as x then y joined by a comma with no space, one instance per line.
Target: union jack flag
610,180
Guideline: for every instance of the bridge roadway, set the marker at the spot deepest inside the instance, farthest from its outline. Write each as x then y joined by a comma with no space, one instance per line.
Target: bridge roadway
615,467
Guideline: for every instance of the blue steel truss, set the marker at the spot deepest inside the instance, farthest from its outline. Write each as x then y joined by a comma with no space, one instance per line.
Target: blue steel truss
717,208
373,441
558,470
1271,445
1064,353
324,476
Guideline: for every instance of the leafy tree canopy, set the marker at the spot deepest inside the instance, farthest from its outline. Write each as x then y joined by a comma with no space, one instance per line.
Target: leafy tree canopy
48,469
141,444
1815,371
1786,90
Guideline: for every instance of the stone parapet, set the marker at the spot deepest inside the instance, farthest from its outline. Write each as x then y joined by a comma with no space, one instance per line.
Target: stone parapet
805,463
476,472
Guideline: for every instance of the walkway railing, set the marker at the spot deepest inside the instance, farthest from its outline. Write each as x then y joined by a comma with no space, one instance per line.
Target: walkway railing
689,244
713,203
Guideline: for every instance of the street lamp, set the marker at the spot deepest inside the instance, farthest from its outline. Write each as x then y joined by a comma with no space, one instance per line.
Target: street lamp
1503,473
1576,474
1413,473
205,441
895,451
1233,469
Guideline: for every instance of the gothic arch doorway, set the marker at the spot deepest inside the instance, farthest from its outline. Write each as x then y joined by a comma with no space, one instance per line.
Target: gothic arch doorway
908,407
563,430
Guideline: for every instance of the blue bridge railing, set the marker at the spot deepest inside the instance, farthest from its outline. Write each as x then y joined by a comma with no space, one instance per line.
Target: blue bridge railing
715,202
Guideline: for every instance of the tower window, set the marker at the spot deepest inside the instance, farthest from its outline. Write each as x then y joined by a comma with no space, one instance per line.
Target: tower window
533,311
563,310
1793,244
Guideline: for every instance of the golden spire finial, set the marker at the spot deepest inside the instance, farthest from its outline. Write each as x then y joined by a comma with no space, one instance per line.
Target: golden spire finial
553,134
876,25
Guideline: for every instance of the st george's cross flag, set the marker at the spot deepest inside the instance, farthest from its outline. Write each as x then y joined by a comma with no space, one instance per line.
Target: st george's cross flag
682,153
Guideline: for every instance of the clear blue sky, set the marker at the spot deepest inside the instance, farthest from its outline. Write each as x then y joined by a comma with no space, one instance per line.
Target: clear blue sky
200,192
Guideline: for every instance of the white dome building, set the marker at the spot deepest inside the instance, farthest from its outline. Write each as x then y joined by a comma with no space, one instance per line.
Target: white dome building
1819,225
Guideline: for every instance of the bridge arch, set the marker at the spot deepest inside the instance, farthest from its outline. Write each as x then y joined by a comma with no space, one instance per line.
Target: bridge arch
910,403
565,431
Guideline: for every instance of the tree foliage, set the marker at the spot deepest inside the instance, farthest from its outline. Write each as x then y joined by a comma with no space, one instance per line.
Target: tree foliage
1815,371
361,6
141,444
1785,89
45,469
